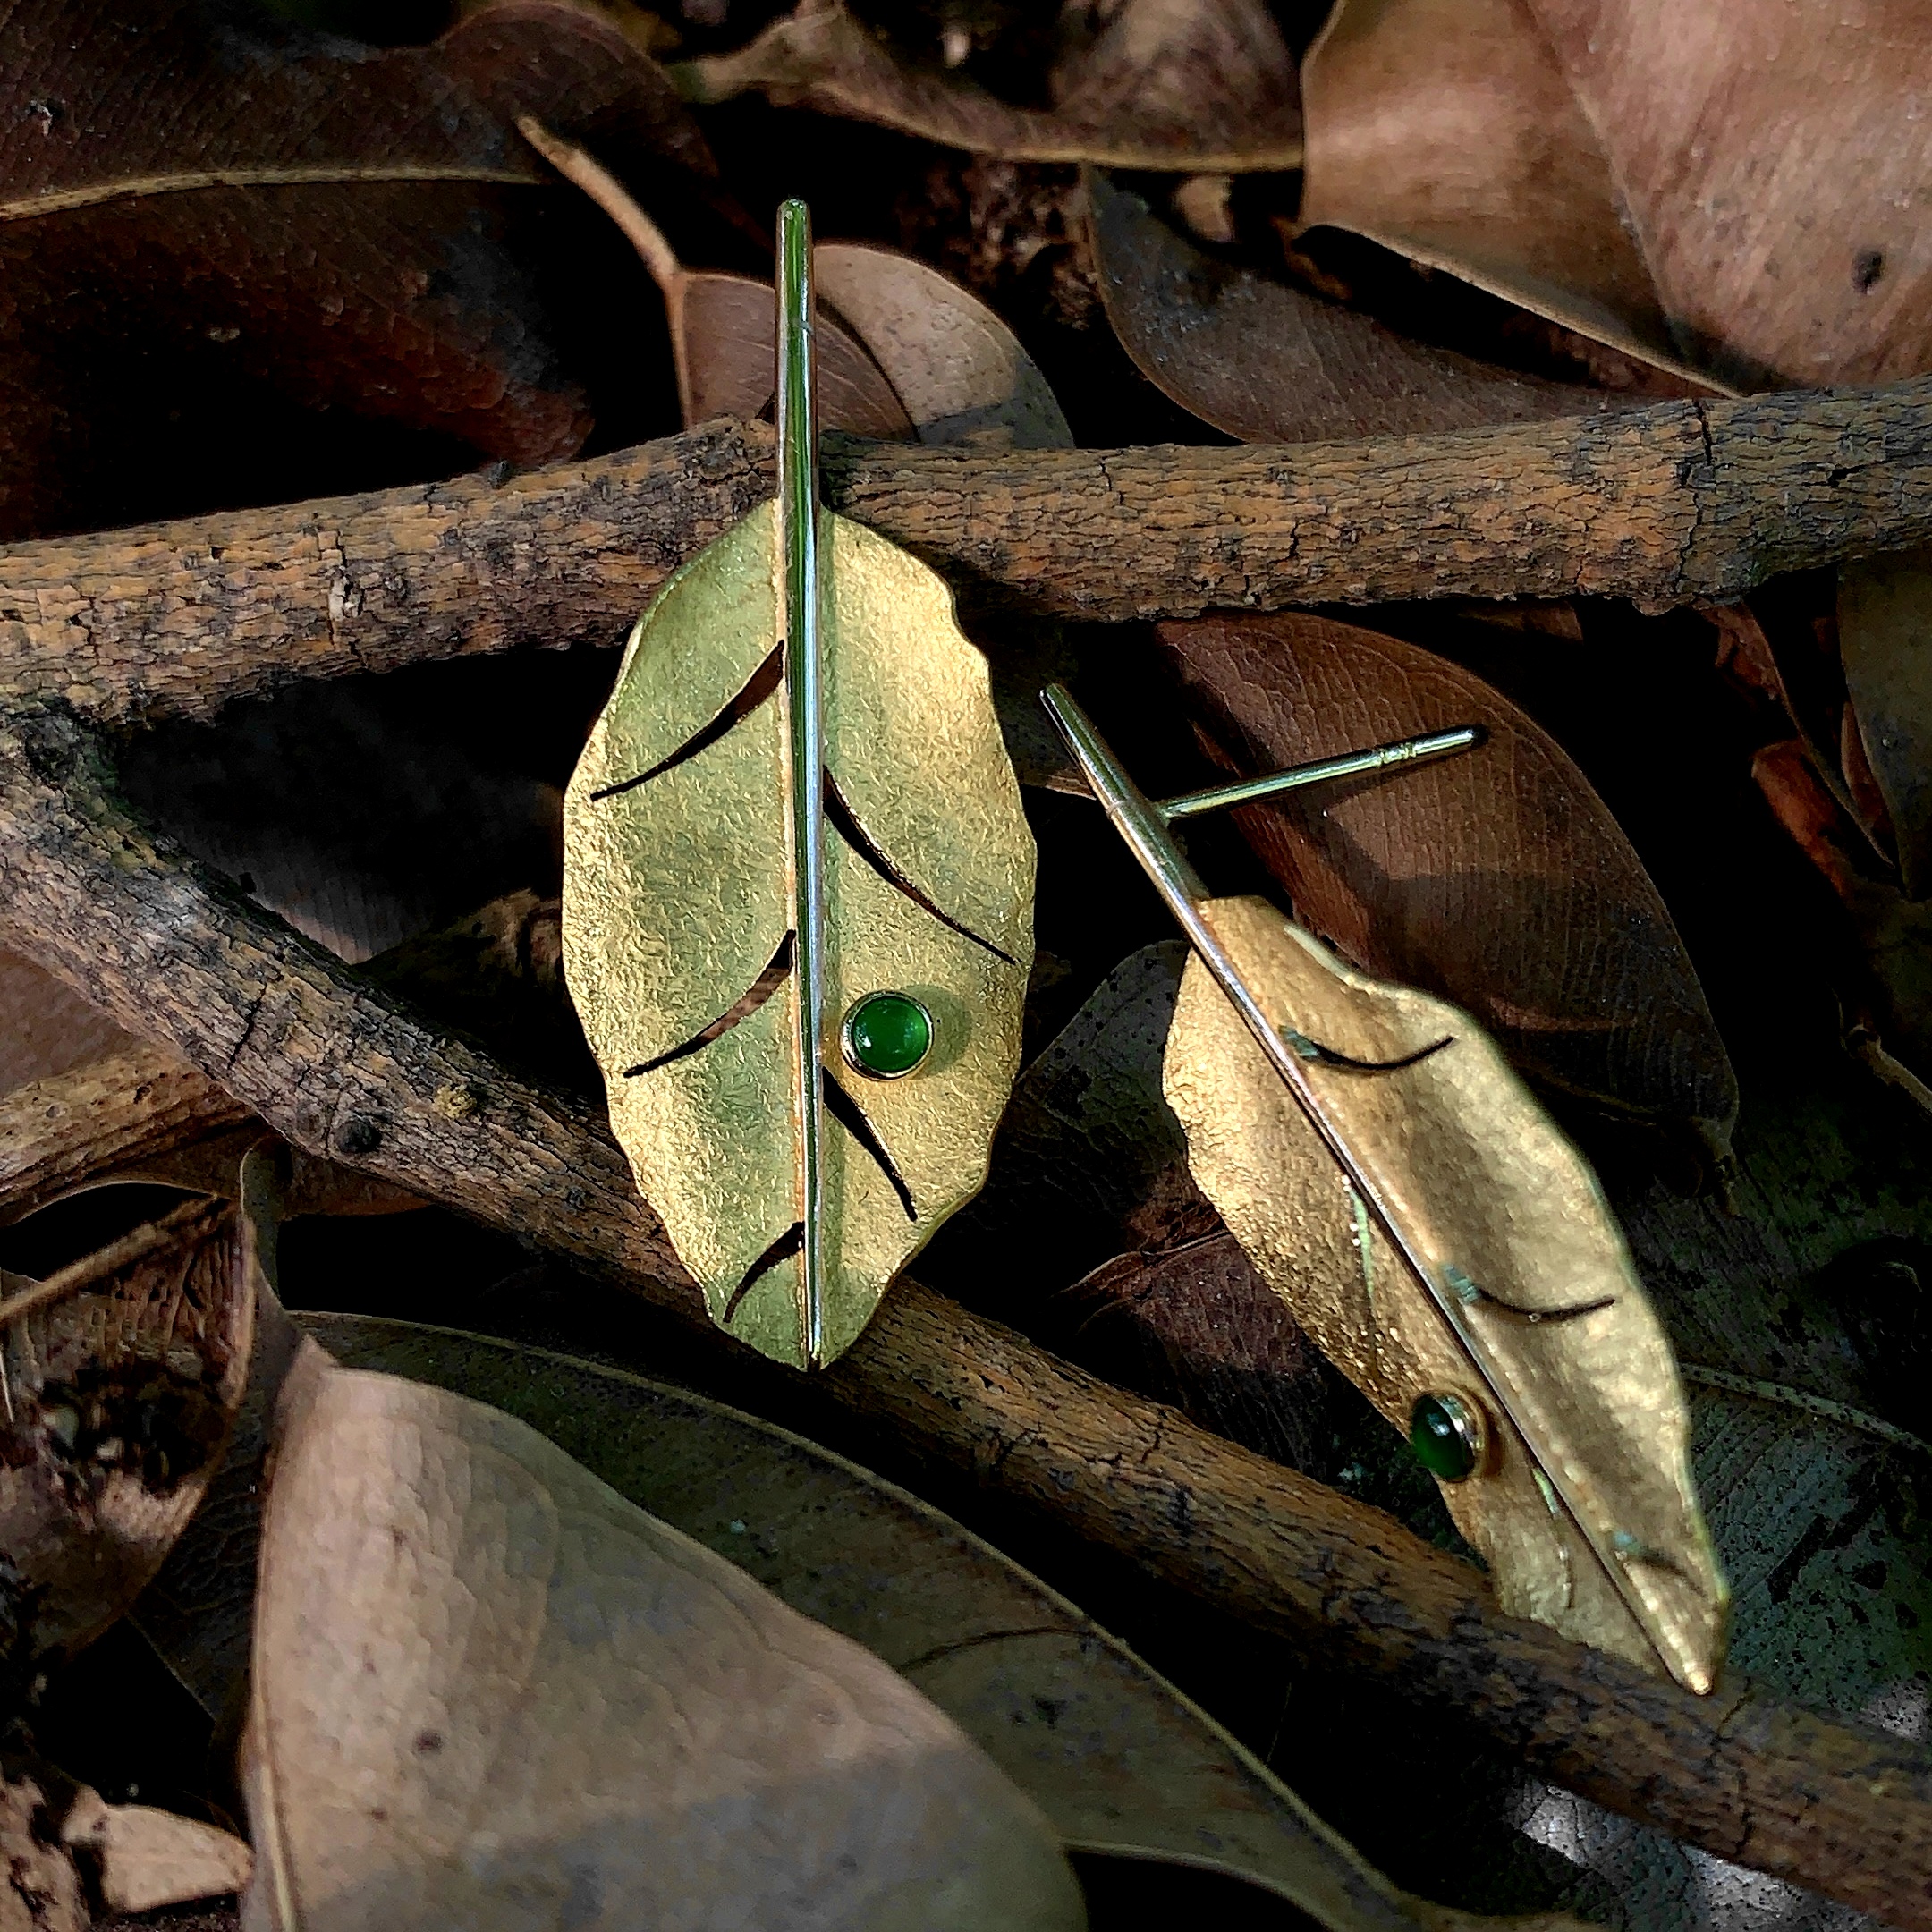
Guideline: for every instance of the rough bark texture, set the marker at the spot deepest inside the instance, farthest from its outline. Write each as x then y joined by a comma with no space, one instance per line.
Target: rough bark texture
342,1072
64,1132
1683,500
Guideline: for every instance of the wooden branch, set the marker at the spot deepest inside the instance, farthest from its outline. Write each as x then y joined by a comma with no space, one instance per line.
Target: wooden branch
1679,501
349,1073
72,1130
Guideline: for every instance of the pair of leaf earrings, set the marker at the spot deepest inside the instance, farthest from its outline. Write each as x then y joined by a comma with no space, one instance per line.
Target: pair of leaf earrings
801,956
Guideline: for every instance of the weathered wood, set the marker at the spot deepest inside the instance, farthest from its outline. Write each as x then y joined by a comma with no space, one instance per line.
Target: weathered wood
343,1072
1678,501
73,1129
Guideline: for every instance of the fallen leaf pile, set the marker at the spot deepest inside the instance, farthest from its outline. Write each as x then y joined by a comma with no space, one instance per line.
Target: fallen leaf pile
360,1567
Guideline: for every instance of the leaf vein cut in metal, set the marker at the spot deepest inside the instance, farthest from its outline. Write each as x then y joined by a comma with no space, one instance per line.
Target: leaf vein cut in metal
849,1116
843,821
747,1004
781,1249
1313,1049
757,690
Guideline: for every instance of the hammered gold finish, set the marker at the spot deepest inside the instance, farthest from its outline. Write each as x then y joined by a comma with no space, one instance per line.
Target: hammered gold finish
677,917
1490,1193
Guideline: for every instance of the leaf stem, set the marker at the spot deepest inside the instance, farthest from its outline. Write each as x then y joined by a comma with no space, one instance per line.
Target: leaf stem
798,564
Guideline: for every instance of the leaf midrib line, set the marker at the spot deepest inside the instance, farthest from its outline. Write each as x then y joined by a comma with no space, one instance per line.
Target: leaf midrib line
62,200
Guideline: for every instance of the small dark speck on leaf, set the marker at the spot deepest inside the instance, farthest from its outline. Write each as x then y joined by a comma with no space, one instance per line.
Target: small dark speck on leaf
1867,266
428,1742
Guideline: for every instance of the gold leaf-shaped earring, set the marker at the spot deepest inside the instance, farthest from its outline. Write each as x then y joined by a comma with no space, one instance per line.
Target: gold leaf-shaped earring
798,901
1353,1130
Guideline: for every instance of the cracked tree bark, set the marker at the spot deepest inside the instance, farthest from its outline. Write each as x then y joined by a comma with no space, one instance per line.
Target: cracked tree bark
343,1071
1681,501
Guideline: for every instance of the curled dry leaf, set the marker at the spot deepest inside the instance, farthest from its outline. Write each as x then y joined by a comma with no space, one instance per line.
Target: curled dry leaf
1496,879
723,326
1271,363
44,1892
1606,166
486,1686
1181,84
921,355
1576,1485
1117,1760
959,371
122,1375
251,207
1448,131
1887,974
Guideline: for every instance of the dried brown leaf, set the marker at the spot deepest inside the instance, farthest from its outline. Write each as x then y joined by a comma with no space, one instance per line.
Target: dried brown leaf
482,1680
47,1028
1448,131
1885,968
1195,1325
1181,84
1496,879
1272,363
959,371
1117,1758
143,1859
1735,188
43,1891
723,326
120,1396
1884,627
231,209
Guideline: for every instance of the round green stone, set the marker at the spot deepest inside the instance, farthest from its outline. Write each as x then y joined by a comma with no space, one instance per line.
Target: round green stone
1445,1435
887,1034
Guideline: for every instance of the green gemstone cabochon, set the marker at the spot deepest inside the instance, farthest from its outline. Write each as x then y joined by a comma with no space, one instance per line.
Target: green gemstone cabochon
1443,1434
887,1034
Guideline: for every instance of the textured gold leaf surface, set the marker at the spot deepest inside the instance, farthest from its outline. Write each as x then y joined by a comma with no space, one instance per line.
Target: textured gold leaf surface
677,921
1486,1185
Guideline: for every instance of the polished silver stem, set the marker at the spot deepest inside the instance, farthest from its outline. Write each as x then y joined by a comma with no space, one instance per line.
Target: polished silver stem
1350,764
798,551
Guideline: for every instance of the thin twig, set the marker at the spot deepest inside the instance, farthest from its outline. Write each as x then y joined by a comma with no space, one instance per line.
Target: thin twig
1682,501
610,194
89,1270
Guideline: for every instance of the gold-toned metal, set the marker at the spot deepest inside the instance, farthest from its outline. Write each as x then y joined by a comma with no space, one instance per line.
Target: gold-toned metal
1430,1225
679,929
1597,1531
